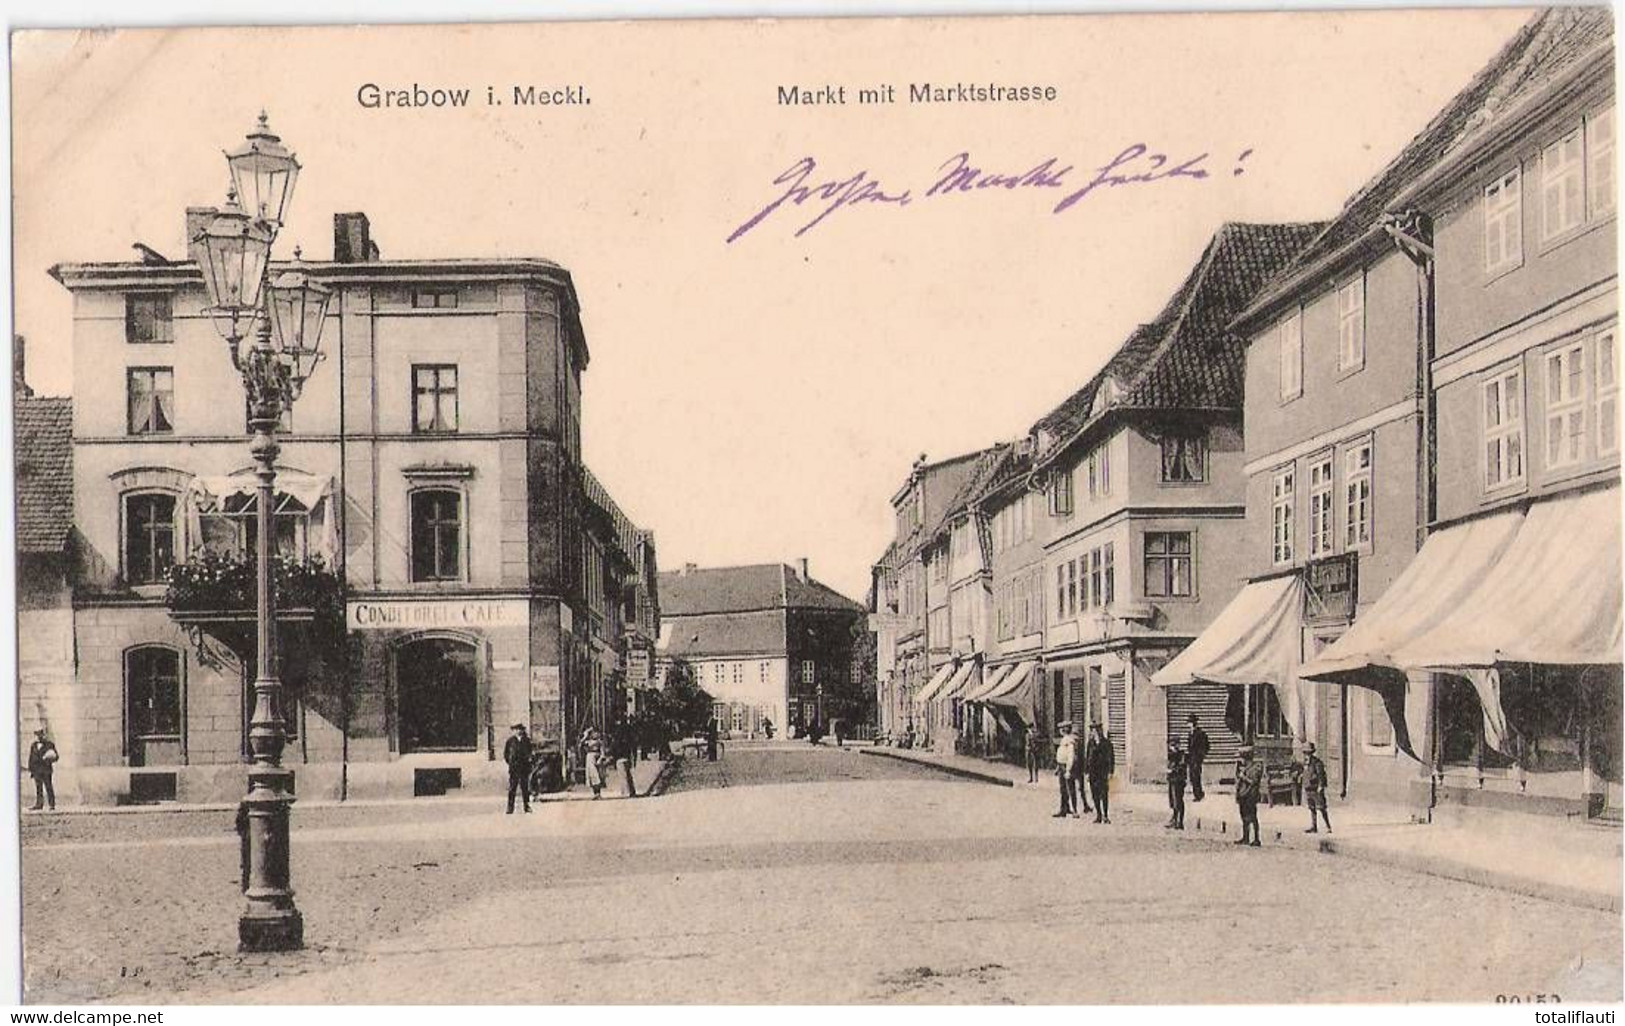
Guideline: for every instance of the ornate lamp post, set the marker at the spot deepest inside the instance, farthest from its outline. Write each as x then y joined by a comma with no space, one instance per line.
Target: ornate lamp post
286,317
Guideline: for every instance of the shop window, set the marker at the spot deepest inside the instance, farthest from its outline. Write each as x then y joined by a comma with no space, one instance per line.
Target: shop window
149,537
150,392
1268,718
437,535
1168,564
434,398
148,318
1542,706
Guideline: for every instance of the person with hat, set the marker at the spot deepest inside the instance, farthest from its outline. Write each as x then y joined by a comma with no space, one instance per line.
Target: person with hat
42,759
1176,786
516,752
1066,762
1196,749
1249,787
1100,762
1314,789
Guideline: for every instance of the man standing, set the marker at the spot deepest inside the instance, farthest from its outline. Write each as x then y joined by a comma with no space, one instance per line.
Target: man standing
1033,750
1176,786
1196,749
1249,787
1314,789
1099,762
1066,761
516,753
42,757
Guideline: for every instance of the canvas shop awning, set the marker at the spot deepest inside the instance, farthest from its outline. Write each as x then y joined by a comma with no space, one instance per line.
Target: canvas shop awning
1253,640
964,678
938,681
991,679
209,492
1016,691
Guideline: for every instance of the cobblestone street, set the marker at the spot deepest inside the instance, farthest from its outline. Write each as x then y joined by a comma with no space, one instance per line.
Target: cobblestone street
782,873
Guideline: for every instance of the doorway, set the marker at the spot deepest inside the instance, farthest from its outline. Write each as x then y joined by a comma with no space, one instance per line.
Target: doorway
437,693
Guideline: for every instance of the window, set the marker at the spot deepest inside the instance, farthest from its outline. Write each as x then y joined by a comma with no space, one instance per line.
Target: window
808,671
1320,507
1351,324
1503,430
739,673
1096,588
149,537
1283,490
1503,222
1269,720
1607,394
1060,591
1600,162
431,299
151,392
1103,463
234,527
434,397
1060,495
1072,602
1168,564
437,535
1357,496
1109,572
1379,729
1292,357
761,672
1565,405
152,688
148,318
1562,185
1184,458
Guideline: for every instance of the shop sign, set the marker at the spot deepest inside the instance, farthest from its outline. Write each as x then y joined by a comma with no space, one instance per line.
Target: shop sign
1329,589
544,684
638,667
399,615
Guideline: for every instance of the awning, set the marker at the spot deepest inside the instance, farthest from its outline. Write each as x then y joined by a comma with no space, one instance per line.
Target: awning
938,682
1448,570
1016,692
991,679
1553,596
964,678
1253,640
208,492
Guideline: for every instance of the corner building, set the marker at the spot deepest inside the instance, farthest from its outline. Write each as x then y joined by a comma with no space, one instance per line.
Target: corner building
430,477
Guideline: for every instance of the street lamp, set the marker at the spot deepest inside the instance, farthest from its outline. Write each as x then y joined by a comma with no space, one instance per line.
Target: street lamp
286,318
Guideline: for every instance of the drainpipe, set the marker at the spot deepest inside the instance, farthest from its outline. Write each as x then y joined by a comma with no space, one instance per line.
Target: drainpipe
1411,231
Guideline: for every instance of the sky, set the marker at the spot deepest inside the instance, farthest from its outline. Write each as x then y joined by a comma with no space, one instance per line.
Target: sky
758,400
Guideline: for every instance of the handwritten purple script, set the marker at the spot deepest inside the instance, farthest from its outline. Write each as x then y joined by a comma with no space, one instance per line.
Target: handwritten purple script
1135,165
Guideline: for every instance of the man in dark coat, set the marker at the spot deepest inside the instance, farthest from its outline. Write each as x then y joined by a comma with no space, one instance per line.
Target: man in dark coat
1314,789
42,757
517,754
1176,786
1099,762
1196,749
1249,788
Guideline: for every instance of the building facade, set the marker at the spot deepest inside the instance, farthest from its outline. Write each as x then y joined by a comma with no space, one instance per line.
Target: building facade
773,647
443,566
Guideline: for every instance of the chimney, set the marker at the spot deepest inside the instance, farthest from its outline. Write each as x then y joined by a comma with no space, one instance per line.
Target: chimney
19,368
352,239
197,219
801,568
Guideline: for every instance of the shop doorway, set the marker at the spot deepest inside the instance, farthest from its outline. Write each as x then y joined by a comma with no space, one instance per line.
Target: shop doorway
437,693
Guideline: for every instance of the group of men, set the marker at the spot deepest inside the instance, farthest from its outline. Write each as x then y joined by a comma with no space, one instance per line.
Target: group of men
1096,763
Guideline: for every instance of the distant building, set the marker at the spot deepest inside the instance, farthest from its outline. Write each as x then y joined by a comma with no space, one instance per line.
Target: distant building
768,642
454,568
43,433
